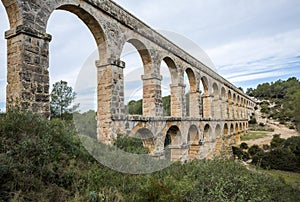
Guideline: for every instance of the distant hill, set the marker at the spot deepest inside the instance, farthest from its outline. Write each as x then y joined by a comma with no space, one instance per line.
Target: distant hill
280,100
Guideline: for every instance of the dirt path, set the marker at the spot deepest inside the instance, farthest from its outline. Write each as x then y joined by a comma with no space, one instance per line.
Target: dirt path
278,129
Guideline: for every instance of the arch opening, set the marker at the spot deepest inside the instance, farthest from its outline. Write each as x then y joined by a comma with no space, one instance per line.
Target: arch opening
133,85
6,23
224,110
147,138
193,141
192,94
216,101
205,103
67,61
207,133
219,141
169,76
172,143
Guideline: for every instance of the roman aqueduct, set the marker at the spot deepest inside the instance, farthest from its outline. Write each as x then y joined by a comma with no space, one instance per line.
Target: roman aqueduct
216,119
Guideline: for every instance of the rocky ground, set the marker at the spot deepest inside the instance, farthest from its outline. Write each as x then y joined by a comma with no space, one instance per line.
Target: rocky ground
278,129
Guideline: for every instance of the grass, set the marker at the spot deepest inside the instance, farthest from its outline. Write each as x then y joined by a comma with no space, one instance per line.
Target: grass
253,135
289,178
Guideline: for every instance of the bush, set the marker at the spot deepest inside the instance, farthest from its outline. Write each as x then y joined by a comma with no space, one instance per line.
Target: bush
130,144
42,160
280,159
266,147
240,154
292,127
254,150
244,145
252,120
277,141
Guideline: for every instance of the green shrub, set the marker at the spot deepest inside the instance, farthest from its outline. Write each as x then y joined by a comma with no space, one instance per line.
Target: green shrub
240,154
280,159
130,144
244,145
42,160
252,120
254,150
277,141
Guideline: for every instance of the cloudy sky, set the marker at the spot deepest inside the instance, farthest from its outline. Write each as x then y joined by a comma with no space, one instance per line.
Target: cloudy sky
249,42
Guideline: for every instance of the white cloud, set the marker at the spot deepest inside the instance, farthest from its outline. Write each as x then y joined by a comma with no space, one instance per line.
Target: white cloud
257,55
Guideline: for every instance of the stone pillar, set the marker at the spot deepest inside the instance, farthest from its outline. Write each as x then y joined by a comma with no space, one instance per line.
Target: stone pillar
27,69
230,109
195,104
152,100
207,106
177,100
110,98
217,108
225,110
235,108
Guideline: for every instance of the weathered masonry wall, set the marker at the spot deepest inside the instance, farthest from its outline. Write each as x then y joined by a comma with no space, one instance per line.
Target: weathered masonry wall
216,120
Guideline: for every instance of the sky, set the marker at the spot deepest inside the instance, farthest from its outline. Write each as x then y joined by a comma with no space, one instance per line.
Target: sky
246,42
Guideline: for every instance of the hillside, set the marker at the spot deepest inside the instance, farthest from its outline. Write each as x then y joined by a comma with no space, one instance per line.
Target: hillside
279,101
42,160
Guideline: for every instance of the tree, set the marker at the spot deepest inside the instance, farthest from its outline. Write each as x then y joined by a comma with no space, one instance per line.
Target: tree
62,97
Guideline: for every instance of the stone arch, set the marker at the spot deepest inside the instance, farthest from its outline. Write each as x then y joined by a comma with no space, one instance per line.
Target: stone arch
172,68
224,110
13,12
216,105
238,104
226,139
193,141
242,107
237,133
193,96
205,108
147,138
144,54
219,141
173,136
237,129
207,133
205,84
231,129
230,105
93,25
225,130
177,90
242,130
172,143
151,87
234,104
193,135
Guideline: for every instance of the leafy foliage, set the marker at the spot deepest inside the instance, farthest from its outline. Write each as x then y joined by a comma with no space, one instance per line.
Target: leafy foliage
130,144
62,97
42,160
166,102
135,107
285,95
86,123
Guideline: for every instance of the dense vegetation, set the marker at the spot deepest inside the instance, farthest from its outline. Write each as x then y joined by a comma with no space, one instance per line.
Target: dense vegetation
42,160
135,107
281,154
281,99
